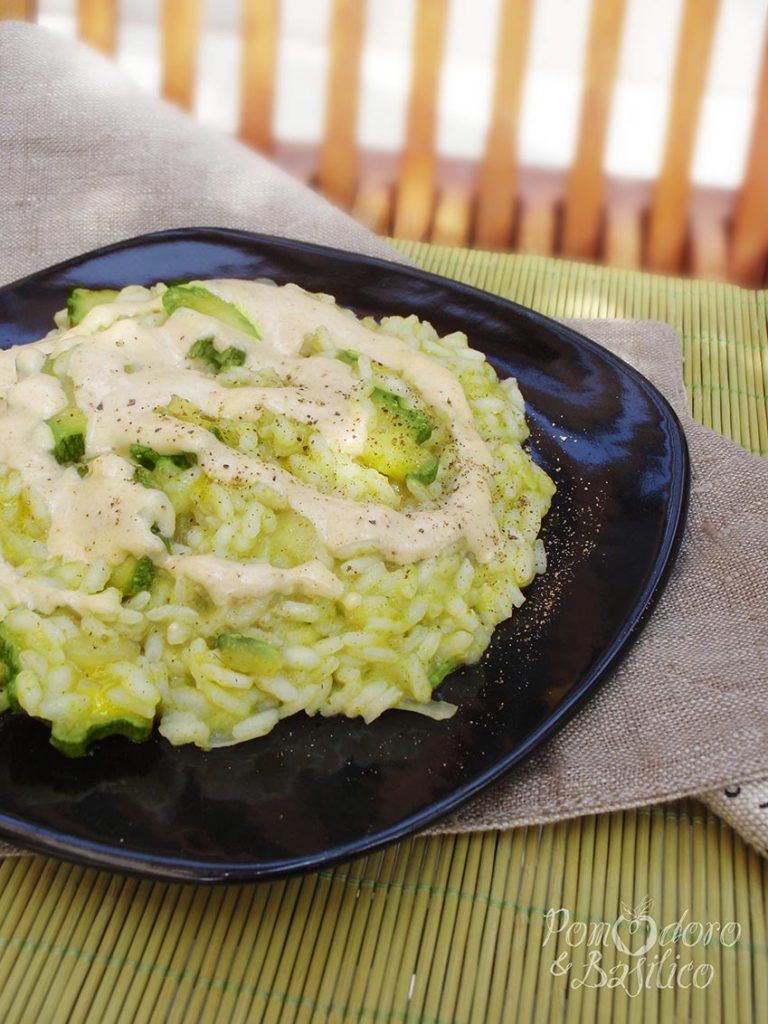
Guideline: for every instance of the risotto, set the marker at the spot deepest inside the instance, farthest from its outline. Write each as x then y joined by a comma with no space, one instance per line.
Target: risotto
225,502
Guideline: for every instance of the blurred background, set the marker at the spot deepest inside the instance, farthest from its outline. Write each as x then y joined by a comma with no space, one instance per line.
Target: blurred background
628,132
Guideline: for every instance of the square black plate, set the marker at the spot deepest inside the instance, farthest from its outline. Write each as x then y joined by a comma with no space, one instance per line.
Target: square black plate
319,790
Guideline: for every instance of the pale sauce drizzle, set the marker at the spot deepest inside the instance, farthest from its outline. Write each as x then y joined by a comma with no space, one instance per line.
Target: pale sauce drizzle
124,372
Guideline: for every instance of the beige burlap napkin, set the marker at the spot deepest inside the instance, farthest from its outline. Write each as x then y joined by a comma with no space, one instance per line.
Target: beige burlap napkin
671,717
86,160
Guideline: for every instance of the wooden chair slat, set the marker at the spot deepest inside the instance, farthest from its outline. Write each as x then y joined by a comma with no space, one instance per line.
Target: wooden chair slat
453,217
497,187
584,193
18,10
494,203
415,197
623,239
260,28
671,195
749,242
626,205
373,207
709,249
538,227
180,41
338,166
97,24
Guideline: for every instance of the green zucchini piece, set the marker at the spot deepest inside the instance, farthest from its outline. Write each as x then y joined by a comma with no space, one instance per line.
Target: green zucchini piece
150,459
246,654
194,296
225,430
166,540
74,738
394,407
9,669
167,473
81,301
205,349
348,356
439,669
155,470
395,439
68,428
133,575
427,472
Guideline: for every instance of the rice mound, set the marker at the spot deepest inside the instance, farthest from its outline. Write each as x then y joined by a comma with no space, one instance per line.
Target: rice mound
386,643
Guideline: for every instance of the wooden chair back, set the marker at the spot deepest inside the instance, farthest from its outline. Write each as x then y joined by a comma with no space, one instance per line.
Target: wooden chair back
498,205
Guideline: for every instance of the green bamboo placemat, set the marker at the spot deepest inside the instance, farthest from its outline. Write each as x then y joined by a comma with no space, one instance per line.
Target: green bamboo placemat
724,329
536,924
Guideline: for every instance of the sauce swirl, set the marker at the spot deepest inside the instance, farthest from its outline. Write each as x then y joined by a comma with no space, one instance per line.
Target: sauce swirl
125,369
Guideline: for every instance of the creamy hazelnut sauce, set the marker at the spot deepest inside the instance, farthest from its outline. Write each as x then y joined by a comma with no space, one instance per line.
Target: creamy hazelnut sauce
125,371
226,585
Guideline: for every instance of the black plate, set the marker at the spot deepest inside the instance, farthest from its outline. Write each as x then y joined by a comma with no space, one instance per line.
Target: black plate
316,791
